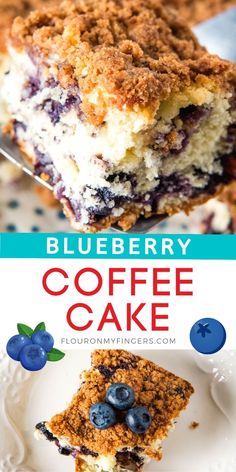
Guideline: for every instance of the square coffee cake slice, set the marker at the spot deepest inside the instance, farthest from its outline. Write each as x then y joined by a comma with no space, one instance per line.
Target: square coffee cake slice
118,448
120,109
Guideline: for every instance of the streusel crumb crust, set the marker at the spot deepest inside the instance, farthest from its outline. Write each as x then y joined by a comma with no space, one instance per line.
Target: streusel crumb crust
134,52
10,9
162,392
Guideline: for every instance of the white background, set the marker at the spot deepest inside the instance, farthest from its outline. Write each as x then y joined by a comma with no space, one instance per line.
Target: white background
24,300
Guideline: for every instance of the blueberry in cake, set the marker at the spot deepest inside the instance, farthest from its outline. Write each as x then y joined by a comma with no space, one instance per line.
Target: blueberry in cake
124,408
120,109
220,214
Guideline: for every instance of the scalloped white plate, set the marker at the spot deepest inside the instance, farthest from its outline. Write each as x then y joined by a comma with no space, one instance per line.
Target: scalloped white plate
26,399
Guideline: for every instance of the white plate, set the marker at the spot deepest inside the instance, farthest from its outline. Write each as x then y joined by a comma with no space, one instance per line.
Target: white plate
26,399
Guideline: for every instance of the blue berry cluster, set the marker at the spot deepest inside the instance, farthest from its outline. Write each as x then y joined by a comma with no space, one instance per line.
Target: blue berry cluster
33,348
120,398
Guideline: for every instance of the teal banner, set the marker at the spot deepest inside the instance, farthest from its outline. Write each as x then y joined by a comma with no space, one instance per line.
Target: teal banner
117,246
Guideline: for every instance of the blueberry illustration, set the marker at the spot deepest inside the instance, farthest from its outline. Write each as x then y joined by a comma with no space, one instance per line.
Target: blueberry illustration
16,344
43,339
138,419
102,415
33,357
208,336
120,396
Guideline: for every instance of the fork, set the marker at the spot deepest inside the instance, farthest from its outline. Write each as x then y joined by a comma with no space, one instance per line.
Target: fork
219,36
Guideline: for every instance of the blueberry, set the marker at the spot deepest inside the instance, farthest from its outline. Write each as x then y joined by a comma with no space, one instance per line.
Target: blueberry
64,451
138,419
33,357
43,339
42,427
102,415
120,396
16,344
208,336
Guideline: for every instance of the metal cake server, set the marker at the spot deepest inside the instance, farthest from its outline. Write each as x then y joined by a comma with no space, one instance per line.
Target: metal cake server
11,151
219,36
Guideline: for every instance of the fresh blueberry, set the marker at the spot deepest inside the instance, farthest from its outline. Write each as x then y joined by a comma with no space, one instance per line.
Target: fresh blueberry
33,357
43,339
16,344
138,419
120,396
102,415
208,336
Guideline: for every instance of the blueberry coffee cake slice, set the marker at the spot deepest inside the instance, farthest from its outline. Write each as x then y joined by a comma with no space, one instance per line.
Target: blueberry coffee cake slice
124,408
120,109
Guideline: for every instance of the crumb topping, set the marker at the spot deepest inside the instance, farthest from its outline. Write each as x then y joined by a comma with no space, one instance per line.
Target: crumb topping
10,9
163,393
132,52
194,425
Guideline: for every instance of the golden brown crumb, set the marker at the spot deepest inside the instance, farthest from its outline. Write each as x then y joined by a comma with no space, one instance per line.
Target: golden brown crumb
139,51
193,11
164,394
194,425
9,9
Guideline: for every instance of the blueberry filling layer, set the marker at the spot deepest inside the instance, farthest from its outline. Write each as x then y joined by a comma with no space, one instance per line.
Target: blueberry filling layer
173,185
126,459
64,450
54,108
108,191
191,116
106,200
130,459
109,372
177,138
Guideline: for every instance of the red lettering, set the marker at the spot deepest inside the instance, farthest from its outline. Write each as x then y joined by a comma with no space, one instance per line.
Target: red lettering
99,281
156,317
113,281
105,318
69,315
55,270
157,282
135,281
179,282
133,316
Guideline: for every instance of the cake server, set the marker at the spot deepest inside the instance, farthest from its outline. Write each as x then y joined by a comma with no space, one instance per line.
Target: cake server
11,151
219,36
